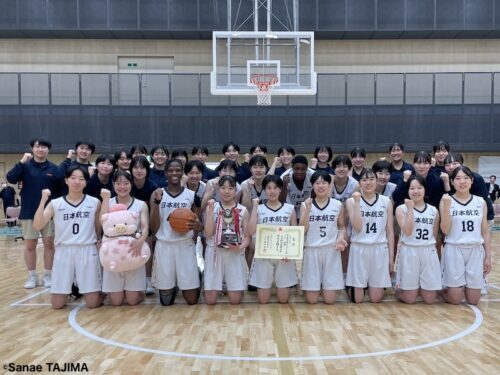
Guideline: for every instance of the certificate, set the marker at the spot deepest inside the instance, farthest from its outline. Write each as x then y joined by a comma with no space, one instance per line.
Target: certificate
278,242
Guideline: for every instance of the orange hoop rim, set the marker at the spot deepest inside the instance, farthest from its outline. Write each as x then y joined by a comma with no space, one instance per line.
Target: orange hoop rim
264,82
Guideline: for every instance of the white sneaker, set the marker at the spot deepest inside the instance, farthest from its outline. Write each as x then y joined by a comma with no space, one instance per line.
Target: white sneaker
32,282
47,280
484,289
149,288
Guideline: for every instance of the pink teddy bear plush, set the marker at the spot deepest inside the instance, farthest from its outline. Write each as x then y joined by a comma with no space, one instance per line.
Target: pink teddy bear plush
120,229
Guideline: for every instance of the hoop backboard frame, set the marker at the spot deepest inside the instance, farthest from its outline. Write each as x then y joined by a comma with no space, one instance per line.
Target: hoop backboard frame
305,82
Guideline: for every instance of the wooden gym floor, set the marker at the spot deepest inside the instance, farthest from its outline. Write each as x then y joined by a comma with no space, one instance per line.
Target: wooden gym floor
272,339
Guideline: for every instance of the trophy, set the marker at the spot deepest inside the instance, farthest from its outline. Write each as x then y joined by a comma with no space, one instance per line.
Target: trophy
228,235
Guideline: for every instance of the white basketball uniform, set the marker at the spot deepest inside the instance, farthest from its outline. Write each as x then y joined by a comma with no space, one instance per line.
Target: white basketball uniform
264,271
463,251
389,189
346,193
200,190
76,259
223,264
418,262
322,266
253,191
175,254
134,280
296,196
369,251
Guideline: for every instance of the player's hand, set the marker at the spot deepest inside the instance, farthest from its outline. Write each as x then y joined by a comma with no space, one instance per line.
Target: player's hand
136,247
276,161
105,194
91,171
71,154
246,158
433,162
158,194
486,266
255,202
409,204
286,179
194,224
234,247
184,180
26,157
211,204
357,197
406,175
445,177
446,201
308,203
341,244
314,163
46,194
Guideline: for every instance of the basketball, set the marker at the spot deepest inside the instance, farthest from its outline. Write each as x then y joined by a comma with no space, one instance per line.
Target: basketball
179,219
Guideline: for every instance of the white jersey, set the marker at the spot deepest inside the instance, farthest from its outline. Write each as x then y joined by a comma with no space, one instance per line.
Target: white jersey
374,222
296,196
423,226
75,225
200,190
281,216
217,208
323,228
254,193
185,199
466,222
346,193
389,189
135,206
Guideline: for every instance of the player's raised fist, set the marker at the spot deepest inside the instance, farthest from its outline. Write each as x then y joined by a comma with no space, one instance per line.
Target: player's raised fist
26,158
446,200
406,175
71,154
46,194
105,194
356,196
409,204
255,202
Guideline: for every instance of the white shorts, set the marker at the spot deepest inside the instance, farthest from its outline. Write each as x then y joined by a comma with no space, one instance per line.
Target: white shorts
132,281
322,269
418,267
463,266
225,265
175,264
368,266
264,271
76,264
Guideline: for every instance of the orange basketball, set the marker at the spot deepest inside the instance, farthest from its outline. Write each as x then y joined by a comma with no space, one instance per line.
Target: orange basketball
179,219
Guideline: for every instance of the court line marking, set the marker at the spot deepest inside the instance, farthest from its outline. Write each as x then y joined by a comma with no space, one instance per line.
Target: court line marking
79,329
30,297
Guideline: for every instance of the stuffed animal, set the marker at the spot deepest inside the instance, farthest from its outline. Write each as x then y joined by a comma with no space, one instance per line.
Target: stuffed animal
120,229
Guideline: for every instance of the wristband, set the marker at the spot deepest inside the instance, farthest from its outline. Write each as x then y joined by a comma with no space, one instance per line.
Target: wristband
156,201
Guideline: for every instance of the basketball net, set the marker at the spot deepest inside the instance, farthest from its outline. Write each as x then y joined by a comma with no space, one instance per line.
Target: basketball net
264,85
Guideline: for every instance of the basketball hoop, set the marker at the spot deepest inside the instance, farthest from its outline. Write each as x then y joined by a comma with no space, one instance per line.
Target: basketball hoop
264,84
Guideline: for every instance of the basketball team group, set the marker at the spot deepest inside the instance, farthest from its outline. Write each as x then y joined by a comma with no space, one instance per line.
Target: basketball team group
420,228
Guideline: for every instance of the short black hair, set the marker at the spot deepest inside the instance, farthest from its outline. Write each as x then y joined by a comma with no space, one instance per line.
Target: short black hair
230,179
342,159
464,169
453,157
321,174
420,180
299,159
74,167
194,163
441,145
179,152
160,147
172,161
88,143
258,160
104,157
381,165
138,148
201,149
289,149
226,163
422,157
142,161
358,151
398,145
324,148
42,141
125,174
258,145
118,154
366,172
229,144
272,178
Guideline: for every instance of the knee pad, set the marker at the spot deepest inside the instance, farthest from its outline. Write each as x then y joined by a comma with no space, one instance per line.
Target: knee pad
167,297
